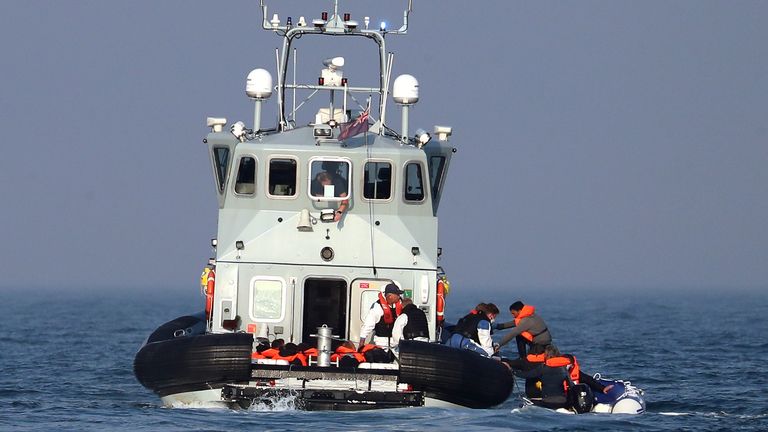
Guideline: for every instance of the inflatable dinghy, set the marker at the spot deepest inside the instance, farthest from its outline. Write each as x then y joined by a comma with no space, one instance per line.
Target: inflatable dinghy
623,398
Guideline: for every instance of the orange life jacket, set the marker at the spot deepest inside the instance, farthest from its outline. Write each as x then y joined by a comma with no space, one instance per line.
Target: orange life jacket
311,352
388,318
270,353
569,362
343,351
291,358
536,358
525,312
367,348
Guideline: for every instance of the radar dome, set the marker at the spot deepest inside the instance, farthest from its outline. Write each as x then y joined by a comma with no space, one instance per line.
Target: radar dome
405,90
258,85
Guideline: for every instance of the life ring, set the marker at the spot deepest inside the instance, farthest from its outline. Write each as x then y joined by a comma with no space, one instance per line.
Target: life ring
440,300
210,286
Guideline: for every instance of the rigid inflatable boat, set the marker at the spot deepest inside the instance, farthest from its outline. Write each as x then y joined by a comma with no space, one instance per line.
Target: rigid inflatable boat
184,365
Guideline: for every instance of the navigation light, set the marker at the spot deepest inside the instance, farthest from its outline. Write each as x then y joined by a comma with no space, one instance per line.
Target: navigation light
322,131
422,137
327,215
443,132
383,26
238,130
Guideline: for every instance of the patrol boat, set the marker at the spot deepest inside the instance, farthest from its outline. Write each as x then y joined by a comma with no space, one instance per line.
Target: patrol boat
317,214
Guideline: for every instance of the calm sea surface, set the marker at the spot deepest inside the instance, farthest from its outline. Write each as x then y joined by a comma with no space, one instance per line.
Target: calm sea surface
66,364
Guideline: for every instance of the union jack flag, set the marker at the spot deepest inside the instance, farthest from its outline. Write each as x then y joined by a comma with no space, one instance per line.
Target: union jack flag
356,126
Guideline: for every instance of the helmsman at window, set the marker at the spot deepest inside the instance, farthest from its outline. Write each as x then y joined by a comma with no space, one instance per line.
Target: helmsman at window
381,317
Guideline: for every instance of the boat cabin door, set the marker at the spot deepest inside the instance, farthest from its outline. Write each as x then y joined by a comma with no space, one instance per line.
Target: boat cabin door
364,293
325,302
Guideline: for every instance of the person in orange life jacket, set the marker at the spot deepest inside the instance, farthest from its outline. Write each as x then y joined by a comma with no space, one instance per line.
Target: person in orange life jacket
410,325
347,355
274,350
557,373
291,353
528,329
473,331
380,318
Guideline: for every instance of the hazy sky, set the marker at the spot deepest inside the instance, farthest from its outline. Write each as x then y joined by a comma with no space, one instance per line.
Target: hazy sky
601,143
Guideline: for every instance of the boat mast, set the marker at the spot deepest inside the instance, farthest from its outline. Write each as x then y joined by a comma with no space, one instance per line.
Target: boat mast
335,25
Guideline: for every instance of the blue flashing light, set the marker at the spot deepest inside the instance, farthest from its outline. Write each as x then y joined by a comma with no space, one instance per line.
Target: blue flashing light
383,26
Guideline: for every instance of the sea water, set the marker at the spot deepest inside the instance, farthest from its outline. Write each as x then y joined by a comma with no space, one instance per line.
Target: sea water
66,363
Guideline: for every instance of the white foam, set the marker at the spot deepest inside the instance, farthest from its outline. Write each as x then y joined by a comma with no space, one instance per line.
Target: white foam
199,405
281,403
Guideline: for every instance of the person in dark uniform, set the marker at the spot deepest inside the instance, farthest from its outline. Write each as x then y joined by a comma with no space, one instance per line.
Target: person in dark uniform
411,324
473,331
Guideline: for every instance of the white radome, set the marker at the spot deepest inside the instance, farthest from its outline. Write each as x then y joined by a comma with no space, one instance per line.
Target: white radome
258,85
405,90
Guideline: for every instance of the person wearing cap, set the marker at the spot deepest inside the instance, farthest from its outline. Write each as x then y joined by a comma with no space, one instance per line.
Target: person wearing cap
528,329
381,317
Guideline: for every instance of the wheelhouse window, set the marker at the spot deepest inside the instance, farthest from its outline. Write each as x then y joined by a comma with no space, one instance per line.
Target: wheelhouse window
377,184
436,168
282,177
414,182
267,299
221,161
246,176
329,179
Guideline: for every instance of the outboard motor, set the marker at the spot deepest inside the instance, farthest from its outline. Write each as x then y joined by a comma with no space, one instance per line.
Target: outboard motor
581,397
